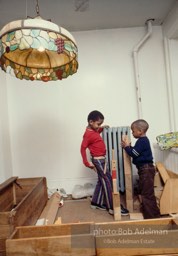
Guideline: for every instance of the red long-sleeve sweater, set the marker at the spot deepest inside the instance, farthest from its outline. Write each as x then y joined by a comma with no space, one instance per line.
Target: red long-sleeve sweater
94,142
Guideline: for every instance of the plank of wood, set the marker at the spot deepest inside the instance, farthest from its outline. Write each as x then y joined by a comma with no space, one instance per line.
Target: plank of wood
116,206
31,181
116,238
77,245
114,176
136,251
128,178
58,221
162,222
115,194
158,193
71,239
30,207
169,197
6,183
4,218
175,254
163,172
14,195
6,198
127,163
158,180
5,231
25,185
136,216
162,241
2,244
129,188
50,211
172,174
52,230
2,253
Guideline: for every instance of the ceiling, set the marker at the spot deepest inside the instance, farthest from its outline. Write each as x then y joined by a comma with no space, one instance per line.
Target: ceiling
83,15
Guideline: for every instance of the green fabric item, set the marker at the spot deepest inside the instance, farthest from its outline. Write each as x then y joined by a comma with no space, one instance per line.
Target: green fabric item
167,140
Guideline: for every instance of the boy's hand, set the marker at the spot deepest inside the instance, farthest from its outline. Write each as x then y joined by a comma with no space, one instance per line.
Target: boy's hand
105,126
91,166
125,141
123,144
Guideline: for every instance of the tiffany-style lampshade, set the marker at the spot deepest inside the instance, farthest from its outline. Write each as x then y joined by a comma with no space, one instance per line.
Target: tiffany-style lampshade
37,49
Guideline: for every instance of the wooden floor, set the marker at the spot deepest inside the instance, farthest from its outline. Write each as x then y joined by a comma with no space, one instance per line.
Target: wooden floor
75,211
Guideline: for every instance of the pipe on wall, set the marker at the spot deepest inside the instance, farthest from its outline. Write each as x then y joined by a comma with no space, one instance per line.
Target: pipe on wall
136,68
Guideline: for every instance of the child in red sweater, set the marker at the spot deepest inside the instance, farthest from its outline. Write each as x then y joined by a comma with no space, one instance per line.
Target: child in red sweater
102,197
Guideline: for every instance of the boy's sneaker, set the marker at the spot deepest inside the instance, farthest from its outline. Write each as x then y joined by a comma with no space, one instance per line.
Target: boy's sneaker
111,211
97,206
124,211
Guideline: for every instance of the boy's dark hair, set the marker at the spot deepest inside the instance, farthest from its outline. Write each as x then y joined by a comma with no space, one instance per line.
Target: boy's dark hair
141,124
95,116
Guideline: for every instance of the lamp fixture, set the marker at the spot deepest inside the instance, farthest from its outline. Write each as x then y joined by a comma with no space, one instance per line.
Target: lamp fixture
37,49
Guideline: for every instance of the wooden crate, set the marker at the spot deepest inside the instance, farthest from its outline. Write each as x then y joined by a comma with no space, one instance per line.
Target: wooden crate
65,239
134,238
21,203
154,236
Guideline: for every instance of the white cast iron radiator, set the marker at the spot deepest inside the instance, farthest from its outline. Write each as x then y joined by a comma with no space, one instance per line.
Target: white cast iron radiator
168,157
112,138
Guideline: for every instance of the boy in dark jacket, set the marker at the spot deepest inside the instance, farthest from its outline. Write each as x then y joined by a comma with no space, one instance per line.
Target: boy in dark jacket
143,159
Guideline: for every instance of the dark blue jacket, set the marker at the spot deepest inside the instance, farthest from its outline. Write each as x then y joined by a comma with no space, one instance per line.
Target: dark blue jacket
141,153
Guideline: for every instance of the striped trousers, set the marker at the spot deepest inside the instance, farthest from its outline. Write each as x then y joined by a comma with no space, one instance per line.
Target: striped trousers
103,190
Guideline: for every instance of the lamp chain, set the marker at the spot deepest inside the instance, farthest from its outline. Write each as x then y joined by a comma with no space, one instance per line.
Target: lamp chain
37,8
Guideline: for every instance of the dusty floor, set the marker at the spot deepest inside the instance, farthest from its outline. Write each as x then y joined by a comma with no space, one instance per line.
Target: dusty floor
74,211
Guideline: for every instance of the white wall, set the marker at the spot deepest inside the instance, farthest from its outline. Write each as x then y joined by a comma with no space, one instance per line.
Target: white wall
5,150
170,33
174,75
47,120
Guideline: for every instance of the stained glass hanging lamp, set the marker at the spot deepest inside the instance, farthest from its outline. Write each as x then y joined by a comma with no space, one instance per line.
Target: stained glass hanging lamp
37,49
